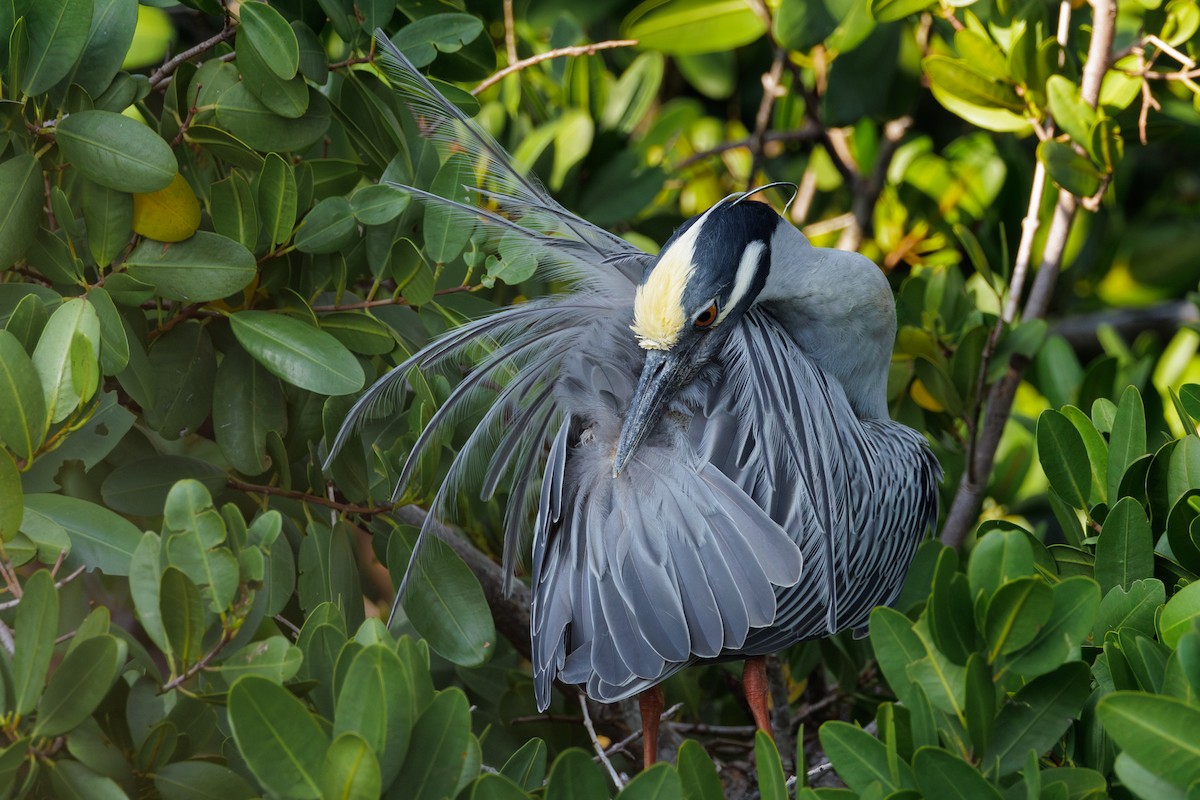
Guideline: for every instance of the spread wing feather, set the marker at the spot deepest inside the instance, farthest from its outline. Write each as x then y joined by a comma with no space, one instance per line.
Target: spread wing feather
696,551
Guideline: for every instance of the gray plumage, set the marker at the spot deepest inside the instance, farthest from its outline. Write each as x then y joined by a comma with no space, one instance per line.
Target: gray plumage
767,498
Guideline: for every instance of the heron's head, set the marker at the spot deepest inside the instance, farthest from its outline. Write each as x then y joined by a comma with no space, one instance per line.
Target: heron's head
706,277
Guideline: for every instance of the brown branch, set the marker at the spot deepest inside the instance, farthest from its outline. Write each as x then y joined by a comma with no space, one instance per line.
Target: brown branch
58,585
578,50
398,300
163,74
965,508
510,33
807,133
314,499
195,669
772,91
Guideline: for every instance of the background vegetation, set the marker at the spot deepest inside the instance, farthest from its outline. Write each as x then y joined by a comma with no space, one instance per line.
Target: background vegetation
202,264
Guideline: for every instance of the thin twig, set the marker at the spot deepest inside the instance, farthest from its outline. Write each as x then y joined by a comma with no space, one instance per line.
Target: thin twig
161,75
510,33
58,585
806,133
397,300
587,723
314,499
633,737
772,91
194,669
578,50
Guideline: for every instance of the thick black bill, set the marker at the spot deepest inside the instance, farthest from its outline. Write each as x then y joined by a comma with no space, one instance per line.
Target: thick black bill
661,378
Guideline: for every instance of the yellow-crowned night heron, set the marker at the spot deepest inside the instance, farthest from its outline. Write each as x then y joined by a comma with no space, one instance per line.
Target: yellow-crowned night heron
704,434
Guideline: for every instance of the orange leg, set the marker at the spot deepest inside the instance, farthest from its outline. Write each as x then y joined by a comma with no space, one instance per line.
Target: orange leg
652,704
754,681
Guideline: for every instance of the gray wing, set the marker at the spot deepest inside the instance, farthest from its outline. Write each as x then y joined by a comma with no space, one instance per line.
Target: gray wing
856,496
513,356
637,576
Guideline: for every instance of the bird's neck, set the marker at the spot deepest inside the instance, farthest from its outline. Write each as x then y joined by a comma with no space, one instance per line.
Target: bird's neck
839,308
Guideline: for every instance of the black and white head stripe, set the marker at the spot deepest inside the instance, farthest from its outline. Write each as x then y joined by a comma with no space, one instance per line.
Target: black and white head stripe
719,258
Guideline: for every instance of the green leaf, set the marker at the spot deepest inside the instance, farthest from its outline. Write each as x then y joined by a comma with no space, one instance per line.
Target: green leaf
205,267
444,602
282,743
527,766
895,10
1076,603
116,151
114,343
574,776
56,360
572,143
375,703
145,585
272,37
58,32
961,80
201,780
421,39
78,685
13,508
1097,450
108,215
658,782
1064,458
896,646
350,770
1183,474
140,487
23,418
248,403
276,190
861,759
100,540
70,779
497,787
378,203
182,362
298,353
1125,548
771,783
943,776
1038,716
1156,731
998,557
1179,614
681,27
36,629
1016,614
244,116
182,614
21,186
233,210
328,228
698,773
1068,169
287,97
108,39
446,231
950,621
438,748
1070,112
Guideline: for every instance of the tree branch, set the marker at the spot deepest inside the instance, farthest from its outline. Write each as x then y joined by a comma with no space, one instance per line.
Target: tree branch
578,50
965,508
164,73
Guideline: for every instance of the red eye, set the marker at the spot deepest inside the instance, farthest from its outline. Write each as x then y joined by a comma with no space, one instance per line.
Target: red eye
706,317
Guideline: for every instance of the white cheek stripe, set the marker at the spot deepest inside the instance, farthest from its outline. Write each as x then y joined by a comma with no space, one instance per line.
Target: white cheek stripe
747,269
